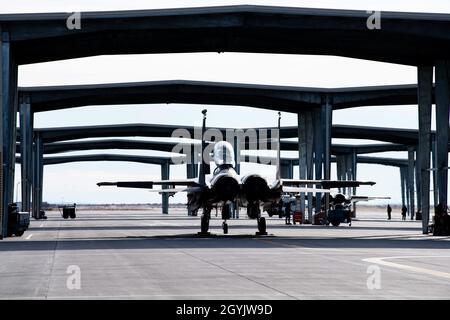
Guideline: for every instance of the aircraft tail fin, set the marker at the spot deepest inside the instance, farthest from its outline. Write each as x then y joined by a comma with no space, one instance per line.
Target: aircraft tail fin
204,166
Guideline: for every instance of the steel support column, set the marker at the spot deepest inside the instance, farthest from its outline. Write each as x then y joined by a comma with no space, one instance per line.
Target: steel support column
418,184
435,173
318,153
403,178
192,166
287,170
237,154
349,169
301,118
2,106
192,169
8,104
340,170
425,90
411,181
26,146
38,170
165,175
442,127
310,159
355,176
328,122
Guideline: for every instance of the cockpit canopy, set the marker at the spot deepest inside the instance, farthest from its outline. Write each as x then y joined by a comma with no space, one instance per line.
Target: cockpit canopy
223,153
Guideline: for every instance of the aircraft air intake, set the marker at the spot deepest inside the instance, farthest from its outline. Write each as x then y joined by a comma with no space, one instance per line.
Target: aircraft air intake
255,188
226,188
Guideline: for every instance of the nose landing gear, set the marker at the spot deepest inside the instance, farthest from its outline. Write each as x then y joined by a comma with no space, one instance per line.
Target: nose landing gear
206,216
262,231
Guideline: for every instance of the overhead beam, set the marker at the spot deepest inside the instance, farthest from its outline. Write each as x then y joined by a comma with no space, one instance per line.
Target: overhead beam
406,38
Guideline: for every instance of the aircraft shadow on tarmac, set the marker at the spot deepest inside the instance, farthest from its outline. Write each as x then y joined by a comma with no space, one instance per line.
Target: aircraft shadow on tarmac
184,227
193,241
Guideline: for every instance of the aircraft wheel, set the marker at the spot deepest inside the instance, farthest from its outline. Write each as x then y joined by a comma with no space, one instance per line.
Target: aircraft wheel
225,228
19,233
205,224
335,223
262,225
73,215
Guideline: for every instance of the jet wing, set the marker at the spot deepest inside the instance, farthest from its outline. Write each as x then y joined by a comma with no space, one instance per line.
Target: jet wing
327,184
175,190
150,184
299,190
366,198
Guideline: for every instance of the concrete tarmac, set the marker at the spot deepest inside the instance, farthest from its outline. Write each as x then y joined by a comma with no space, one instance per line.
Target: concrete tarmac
142,254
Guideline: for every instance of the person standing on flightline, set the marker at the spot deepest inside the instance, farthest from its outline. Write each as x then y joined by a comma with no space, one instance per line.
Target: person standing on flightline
404,210
287,212
389,210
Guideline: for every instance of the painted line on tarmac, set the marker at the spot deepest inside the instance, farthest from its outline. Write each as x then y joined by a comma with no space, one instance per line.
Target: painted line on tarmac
382,261
29,237
218,296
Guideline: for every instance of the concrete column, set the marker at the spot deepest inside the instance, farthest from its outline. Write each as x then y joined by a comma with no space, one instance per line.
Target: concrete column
26,145
328,122
425,91
442,127
301,118
38,170
411,181
318,152
8,104
403,175
165,175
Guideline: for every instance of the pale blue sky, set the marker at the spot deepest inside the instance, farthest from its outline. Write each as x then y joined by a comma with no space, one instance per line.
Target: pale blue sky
296,70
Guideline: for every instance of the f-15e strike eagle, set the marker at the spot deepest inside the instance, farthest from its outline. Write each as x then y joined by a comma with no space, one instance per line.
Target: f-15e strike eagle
227,187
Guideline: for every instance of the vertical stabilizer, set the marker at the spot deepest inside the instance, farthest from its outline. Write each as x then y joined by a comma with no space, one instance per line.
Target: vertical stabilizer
204,167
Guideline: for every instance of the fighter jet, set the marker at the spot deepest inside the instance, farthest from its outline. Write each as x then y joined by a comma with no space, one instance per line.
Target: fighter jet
341,208
227,187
